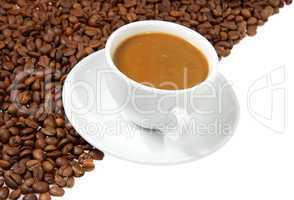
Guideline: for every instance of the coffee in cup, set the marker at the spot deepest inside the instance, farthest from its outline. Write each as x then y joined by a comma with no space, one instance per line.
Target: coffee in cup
162,61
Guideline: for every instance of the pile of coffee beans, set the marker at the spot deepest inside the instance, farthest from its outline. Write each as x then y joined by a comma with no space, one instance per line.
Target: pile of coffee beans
41,40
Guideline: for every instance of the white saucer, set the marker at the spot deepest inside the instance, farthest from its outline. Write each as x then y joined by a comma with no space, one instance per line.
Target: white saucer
87,103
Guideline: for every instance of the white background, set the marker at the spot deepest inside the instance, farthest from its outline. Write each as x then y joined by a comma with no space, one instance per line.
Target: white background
257,163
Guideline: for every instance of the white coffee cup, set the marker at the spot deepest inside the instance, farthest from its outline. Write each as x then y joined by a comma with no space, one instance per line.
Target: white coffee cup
146,106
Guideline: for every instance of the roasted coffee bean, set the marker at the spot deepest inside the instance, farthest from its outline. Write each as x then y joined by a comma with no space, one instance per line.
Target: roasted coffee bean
48,131
4,192
45,196
59,122
66,171
61,161
24,97
78,170
54,154
96,154
49,178
40,187
60,133
78,150
31,123
15,194
31,164
25,189
60,181
30,197
56,191
19,168
38,173
70,182
246,12
11,151
26,131
28,174
25,152
50,148
38,154
15,140
84,156
1,172
49,121
266,12
47,166
29,182
4,135
12,179
4,164
52,141
252,30
63,143
67,148
40,143
88,164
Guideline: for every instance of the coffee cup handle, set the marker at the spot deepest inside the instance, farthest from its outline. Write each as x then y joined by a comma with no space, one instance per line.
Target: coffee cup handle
182,119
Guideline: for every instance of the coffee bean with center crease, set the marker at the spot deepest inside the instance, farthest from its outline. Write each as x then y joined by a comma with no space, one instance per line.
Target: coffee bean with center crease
52,141
70,182
65,171
27,131
48,131
31,123
31,164
11,151
38,173
25,152
60,181
54,154
50,148
56,191
12,179
4,164
40,187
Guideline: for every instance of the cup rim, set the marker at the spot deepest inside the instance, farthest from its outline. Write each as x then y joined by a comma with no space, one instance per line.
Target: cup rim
212,72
